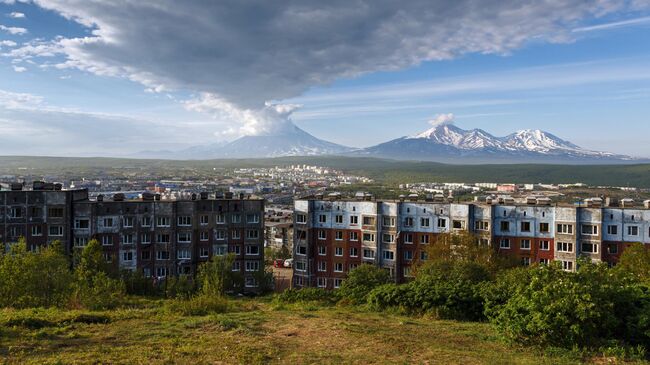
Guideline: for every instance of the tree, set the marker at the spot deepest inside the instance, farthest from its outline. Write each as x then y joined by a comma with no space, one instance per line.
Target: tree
216,278
361,281
94,288
635,261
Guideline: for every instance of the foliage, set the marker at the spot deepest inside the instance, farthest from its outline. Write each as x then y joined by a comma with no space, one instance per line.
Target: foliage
551,307
361,281
450,290
34,279
94,289
216,278
179,287
136,283
635,260
265,280
307,295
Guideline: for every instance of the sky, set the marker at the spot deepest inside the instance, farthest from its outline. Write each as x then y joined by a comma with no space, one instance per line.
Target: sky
112,78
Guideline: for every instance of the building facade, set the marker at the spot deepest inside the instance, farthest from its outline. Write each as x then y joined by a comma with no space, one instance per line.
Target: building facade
333,236
157,237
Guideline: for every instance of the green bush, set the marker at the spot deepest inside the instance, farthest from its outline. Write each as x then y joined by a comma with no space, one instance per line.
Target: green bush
360,282
307,295
94,289
550,307
449,290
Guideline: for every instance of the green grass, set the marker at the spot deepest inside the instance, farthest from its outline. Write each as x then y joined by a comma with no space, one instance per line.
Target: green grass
254,331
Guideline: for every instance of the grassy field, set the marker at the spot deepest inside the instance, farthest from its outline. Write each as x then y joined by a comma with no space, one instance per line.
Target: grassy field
255,331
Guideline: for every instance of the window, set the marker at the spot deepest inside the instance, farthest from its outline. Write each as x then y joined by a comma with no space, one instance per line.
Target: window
567,265
338,219
525,261
505,226
322,266
337,283
368,237
442,223
127,222
184,221
220,234
162,255
301,218
127,239
565,228
632,230
424,222
255,265
408,272
322,282
221,250
354,236
162,222
204,236
408,255
544,245
368,221
163,238
589,247
388,238
252,234
204,252
524,245
146,221
146,272
525,226
108,257
338,267
55,213
504,243
354,220
55,231
252,218
458,224
564,247
338,251
613,230
322,235
236,218
108,222
322,218
612,248
322,250
220,218
544,261
424,239
368,254
544,227
236,266
388,221
145,255
338,235
184,237
252,250
127,256
353,266
236,234
408,222
589,229
354,252
16,212
204,219
80,241
408,238
482,225
107,240
424,256
81,223
184,254
162,272
388,255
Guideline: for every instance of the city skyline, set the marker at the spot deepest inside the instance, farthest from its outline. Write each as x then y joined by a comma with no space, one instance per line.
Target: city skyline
117,78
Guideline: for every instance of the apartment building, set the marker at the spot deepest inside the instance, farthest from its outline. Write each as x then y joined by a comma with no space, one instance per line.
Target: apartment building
334,235
156,237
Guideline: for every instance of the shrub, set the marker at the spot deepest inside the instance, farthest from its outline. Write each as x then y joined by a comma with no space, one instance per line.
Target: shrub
360,282
216,278
550,307
179,287
94,289
307,295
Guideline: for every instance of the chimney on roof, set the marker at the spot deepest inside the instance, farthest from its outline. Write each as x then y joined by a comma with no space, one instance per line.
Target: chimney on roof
100,198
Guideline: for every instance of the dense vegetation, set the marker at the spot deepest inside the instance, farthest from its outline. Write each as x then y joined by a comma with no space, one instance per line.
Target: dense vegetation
387,172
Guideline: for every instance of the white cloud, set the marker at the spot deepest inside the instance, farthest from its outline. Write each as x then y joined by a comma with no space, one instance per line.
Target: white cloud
442,119
16,15
244,55
19,69
13,30
8,43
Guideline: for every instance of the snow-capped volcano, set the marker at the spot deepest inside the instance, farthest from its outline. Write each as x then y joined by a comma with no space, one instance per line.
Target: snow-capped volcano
445,142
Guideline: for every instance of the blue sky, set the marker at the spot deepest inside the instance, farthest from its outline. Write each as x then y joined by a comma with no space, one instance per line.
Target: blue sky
119,77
